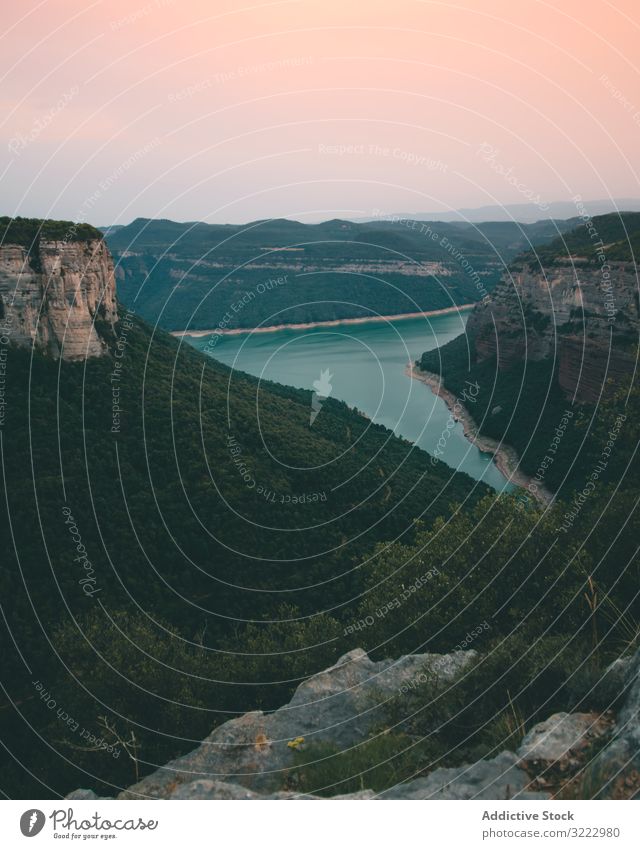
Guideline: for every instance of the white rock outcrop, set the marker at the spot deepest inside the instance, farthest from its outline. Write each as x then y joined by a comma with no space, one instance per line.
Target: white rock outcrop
52,295
340,705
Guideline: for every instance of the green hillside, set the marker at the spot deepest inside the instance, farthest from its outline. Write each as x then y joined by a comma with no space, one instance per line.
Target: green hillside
212,504
201,276
614,236
26,231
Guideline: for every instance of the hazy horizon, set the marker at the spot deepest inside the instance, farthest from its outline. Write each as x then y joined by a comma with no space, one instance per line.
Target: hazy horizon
471,216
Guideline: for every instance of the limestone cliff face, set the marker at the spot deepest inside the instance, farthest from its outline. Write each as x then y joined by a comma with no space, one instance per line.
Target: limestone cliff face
52,294
584,317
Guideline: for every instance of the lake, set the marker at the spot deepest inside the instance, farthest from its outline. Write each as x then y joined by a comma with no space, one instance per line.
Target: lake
366,363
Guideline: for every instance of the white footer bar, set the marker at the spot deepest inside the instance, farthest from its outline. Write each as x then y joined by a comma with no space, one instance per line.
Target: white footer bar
319,825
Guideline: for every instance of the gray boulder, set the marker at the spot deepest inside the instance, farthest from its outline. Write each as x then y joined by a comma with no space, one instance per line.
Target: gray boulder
205,789
499,778
560,737
248,758
617,768
87,795
340,705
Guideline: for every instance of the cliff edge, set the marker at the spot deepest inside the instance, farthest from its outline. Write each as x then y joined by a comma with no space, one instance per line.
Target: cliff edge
573,302
57,287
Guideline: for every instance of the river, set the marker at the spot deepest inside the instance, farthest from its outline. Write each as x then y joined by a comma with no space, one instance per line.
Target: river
367,364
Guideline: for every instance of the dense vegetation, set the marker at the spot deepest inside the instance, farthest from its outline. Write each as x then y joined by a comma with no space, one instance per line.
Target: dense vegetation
522,406
161,571
212,506
546,610
617,235
202,276
157,650
28,231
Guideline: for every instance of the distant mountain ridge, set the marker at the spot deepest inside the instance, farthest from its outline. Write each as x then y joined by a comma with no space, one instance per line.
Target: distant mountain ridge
526,213
203,276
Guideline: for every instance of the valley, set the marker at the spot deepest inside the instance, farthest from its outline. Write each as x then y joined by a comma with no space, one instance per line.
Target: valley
320,422
220,517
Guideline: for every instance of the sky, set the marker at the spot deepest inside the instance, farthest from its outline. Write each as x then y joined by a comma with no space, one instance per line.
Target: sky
231,111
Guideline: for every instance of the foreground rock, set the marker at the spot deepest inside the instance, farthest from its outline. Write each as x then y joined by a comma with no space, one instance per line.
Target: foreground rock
588,756
222,790
499,778
340,705
615,772
560,738
580,755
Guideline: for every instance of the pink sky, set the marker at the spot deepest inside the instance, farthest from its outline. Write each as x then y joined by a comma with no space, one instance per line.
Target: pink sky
232,111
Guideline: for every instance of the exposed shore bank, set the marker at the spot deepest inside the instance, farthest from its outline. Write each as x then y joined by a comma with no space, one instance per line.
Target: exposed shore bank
366,319
504,456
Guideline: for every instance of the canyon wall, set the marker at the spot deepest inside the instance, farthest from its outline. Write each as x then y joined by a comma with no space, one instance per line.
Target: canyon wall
583,316
52,293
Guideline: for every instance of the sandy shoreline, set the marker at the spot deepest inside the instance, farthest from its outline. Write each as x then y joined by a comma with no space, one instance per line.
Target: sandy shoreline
504,456
275,328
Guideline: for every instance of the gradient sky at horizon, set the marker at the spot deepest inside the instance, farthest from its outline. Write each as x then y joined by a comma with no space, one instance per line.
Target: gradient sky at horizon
313,109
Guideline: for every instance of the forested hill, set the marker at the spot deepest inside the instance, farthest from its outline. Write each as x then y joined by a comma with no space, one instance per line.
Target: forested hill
614,237
157,489
277,271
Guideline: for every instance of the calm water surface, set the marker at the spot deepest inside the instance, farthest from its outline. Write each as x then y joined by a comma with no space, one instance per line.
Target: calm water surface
367,363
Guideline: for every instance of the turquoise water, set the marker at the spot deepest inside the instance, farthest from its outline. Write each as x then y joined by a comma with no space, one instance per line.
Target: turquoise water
366,363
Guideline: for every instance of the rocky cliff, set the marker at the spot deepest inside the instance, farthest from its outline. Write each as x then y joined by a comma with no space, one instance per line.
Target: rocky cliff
558,336
585,317
57,288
